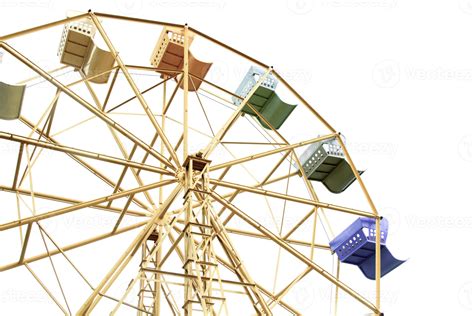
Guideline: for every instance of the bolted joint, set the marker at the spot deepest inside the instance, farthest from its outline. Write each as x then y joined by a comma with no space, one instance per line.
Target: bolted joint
181,176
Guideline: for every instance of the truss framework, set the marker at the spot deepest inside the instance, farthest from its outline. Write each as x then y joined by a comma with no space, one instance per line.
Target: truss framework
191,231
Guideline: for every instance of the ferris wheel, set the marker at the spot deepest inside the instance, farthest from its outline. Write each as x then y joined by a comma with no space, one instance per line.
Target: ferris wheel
209,187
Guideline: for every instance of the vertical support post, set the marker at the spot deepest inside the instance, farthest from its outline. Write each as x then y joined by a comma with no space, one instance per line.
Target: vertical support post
377,221
141,295
188,243
377,264
157,306
162,146
186,92
157,285
336,294
200,264
207,284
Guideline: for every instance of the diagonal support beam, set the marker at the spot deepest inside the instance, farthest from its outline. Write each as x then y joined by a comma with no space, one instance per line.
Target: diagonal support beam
292,198
80,161
126,155
134,97
233,118
283,244
42,27
111,87
271,152
25,243
138,20
127,256
82,205
241,232
72,246
18,164
83,153
240,269
47,290
261,64
134,87
87,105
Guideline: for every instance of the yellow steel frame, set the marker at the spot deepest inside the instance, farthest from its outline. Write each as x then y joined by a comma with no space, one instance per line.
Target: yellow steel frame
200,192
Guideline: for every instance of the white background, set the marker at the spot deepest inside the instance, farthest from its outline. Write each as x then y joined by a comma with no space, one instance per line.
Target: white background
395,77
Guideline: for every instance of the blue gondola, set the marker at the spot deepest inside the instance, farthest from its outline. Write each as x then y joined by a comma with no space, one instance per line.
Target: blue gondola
356,245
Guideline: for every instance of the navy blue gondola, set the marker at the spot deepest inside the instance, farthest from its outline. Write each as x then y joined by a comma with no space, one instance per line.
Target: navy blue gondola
356,245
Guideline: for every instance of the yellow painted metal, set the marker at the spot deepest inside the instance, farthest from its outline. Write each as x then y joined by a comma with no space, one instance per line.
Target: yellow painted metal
172,168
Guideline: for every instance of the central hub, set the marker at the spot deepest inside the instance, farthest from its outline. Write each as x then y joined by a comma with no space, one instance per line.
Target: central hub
195,168
198,163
